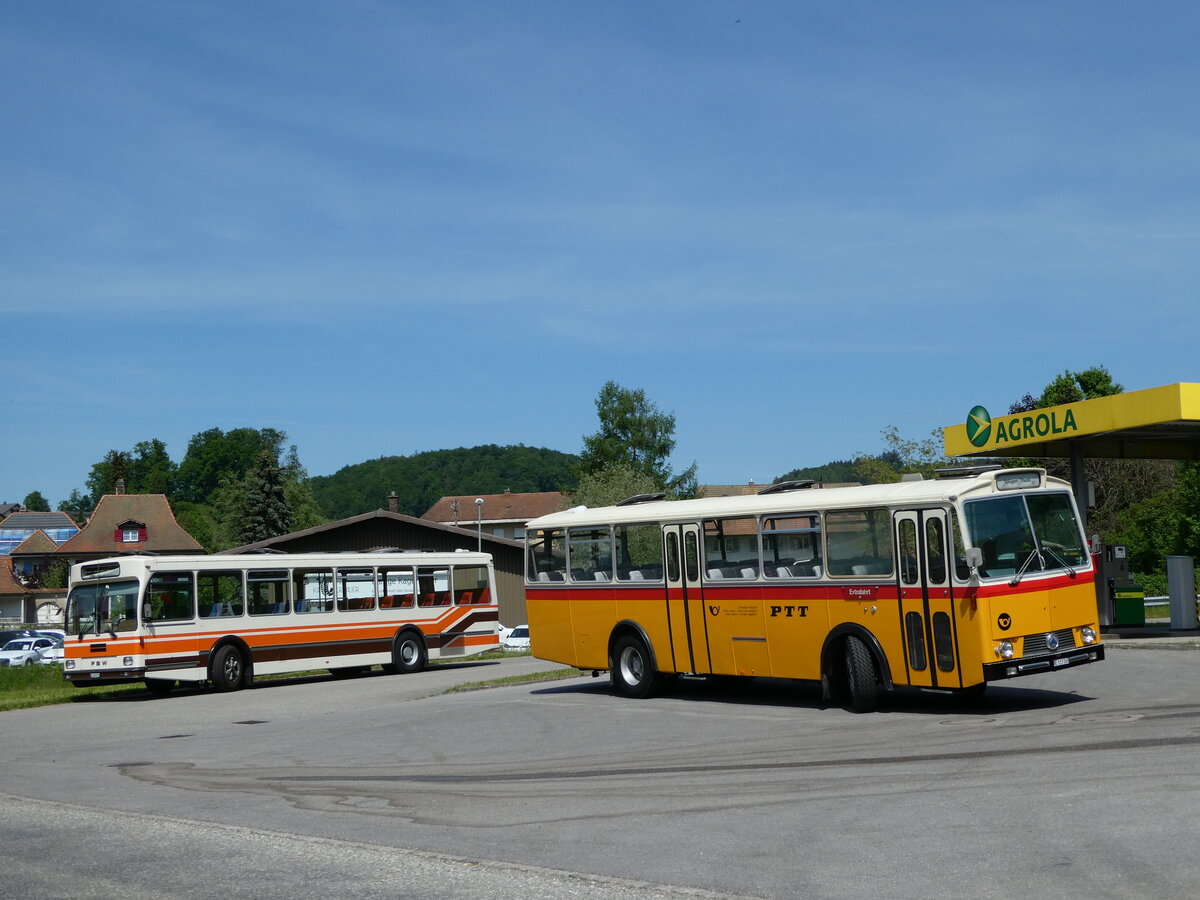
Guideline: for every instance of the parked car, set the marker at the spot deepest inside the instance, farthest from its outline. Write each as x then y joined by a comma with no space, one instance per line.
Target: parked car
53,655
517,639
6,636
25,651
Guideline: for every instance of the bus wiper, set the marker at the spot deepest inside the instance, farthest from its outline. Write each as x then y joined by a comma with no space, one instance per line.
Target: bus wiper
1016,579
1058,559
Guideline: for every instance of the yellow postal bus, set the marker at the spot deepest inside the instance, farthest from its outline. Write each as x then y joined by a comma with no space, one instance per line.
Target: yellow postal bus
978,575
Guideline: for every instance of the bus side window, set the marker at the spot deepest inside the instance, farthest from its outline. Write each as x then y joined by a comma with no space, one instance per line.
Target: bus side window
859,542
639,552
547,561
791,546
731,548
470,585
355,589
220,594
267,590
433,586
397,587
313,590
169,595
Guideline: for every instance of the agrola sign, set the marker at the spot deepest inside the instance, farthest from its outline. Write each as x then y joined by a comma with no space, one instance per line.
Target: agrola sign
983,431
1155,423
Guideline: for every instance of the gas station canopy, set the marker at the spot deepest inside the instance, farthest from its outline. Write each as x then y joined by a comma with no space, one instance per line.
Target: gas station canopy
1156,423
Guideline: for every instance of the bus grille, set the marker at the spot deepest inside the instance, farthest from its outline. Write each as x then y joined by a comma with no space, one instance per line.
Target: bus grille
1035,644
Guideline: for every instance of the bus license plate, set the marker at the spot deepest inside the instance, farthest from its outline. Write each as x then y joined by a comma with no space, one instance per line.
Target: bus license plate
1062,662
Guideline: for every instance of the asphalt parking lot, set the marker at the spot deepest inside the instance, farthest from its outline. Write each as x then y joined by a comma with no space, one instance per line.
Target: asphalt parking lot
1078,783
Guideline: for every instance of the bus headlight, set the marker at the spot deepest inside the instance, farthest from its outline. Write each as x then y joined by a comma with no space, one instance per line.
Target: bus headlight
1088,634
1004,650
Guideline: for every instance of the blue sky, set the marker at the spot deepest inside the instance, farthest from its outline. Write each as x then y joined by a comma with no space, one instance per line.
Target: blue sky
392,227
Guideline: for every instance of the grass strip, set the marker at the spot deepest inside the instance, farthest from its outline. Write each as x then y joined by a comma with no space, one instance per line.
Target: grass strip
28,686
528,678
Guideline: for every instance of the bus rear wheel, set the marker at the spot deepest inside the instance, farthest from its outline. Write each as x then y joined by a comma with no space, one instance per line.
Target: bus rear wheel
860,676
632,669
228,669
409,654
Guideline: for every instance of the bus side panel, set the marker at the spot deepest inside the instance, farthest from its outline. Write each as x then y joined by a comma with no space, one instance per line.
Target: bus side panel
875,608
648,608
593,612
550,634
796,622
973,640
737,639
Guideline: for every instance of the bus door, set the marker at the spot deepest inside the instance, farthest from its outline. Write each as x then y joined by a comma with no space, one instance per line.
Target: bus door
685,603
926,606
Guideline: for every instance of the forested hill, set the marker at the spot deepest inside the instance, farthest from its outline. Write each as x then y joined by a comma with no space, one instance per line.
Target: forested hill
421,479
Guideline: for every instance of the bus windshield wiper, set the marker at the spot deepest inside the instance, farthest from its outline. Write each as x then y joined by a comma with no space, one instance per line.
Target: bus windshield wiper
1062,562
1016,579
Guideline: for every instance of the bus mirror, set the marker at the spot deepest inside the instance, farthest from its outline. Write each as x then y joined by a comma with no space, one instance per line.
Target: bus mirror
974,557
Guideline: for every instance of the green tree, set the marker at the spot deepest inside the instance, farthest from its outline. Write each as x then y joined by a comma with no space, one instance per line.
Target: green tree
262,509
146,469
422,479
611,485
149,469
78,505
214,454
35,502
105,474
903,457
1072,387
303,510
635,433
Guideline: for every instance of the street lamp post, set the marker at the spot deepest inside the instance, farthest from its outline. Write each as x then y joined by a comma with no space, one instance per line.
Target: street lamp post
478,523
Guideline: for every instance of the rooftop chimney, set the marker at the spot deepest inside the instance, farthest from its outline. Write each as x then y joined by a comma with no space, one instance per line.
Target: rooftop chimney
393,502
119,487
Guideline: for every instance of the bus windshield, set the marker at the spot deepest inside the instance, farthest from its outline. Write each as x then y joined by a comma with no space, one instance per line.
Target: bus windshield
102,607
1024,534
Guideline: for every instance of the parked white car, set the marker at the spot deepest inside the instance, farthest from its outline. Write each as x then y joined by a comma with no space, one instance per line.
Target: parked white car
517,639
26,651
53,655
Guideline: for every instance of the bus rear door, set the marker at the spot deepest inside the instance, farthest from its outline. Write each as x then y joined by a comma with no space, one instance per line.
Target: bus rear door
685,602
926,606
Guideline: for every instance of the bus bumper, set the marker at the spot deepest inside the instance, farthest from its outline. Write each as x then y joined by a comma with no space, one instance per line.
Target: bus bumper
1055,662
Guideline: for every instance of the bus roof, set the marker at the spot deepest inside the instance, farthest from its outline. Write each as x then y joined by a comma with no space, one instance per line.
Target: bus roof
344,560
897,494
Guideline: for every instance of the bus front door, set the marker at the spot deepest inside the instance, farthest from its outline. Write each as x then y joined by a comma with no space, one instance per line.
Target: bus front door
926,606
685,604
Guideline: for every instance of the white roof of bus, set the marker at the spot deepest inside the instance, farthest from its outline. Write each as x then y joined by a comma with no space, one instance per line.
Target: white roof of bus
896,494
286,560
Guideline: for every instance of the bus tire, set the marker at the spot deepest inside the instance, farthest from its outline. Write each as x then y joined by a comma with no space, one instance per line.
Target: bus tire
860,676
228,669
632,668
159,687
408,654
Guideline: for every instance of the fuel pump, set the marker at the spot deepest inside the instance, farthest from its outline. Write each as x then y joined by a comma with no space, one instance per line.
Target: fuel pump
1120,600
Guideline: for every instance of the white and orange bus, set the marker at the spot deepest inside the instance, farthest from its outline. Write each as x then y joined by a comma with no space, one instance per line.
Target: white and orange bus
226,619
945,584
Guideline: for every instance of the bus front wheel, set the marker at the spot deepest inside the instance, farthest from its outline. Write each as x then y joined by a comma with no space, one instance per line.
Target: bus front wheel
860,676
632,669
228,669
